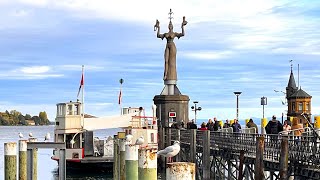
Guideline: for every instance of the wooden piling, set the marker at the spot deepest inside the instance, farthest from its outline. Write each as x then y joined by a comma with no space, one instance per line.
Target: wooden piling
181,170
131,162
193,145
23,159
122,160
258,166
10,161
284,157
147,164
206,156
115,158
178,156
35,160
240,177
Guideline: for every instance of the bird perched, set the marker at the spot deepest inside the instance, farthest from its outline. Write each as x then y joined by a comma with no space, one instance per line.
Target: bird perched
20,135
170,151
139,141
47,137
30,134
129,138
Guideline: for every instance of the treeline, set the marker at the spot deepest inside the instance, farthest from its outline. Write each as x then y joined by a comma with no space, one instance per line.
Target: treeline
15,117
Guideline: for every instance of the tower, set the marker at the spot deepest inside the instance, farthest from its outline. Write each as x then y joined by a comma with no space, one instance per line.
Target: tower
299,102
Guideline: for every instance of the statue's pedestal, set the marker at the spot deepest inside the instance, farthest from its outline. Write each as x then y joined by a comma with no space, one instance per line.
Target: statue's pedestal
177,104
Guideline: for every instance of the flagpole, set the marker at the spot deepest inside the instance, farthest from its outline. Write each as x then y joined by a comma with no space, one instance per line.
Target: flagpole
82,93
120,95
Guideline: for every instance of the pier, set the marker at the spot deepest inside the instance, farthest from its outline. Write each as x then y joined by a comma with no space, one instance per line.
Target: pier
226,155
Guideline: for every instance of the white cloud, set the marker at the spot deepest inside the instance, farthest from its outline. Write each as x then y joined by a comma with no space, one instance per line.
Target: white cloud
208,55
35,69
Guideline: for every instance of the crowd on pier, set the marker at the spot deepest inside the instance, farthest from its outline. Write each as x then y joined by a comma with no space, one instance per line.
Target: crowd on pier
274,126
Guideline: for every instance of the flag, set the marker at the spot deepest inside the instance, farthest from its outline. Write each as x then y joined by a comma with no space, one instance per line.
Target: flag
120,97
81,84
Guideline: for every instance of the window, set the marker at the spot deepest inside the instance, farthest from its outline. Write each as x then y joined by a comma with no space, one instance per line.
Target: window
70,109
300,106
307,106
57,123
293,106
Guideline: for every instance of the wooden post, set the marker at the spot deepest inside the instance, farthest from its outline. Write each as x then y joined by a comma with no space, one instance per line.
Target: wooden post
122,169
115,158
193,145
22,159
131,161
35,160
178,156
206,155
284,159
240,177
10,161
258,166
147,163
180,171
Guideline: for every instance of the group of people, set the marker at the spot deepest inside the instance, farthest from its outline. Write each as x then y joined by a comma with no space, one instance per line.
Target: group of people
275,127
215,125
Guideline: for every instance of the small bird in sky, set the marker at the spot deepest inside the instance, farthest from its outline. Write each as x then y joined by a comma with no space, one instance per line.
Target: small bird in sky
30,134
20,135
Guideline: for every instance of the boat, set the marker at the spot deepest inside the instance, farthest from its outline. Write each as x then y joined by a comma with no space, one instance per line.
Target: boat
84,151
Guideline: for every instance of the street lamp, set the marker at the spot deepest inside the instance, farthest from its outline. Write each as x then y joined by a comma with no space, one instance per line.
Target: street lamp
237,94
263,103
195,109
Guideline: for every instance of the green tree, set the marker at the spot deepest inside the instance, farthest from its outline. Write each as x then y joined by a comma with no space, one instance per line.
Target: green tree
36,120
43,118
27,116
22,119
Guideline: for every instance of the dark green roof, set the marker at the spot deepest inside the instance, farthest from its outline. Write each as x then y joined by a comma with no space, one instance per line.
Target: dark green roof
292,82
300,94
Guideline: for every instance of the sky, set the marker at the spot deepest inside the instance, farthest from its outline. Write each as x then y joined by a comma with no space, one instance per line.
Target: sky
229,45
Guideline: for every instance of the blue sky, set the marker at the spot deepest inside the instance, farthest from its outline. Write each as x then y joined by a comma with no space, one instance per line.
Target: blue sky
229,46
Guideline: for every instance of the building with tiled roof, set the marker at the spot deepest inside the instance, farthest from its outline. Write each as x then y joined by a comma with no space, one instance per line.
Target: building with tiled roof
299,101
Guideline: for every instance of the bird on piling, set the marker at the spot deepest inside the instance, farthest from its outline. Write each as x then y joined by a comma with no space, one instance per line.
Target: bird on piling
47,137
20,135
140,141
30,134
129,138
170,151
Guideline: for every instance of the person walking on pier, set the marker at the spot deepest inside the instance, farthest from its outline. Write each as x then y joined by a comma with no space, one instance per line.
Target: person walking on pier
273,128
286,128
236,126
251,124
210,125
227,124
216,125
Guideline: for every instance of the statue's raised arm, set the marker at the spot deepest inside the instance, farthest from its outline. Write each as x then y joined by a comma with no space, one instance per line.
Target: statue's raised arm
157,28
184,22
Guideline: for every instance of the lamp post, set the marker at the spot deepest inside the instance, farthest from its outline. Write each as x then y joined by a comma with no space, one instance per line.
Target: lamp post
237,94
195,109
263,103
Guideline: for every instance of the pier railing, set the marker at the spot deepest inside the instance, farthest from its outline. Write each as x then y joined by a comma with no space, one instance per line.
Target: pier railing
201,146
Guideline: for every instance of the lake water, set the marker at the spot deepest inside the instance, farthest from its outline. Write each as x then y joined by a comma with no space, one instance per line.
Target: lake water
47,168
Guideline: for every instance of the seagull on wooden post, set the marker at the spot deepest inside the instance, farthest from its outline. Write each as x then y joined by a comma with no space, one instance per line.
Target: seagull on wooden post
170,151
140,141
20,135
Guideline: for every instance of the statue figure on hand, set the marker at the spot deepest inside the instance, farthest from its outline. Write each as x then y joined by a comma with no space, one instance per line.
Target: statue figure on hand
170,72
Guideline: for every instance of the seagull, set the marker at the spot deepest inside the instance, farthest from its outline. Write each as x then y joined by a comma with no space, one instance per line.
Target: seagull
139,141
170,151
129,138
47,137
20,135
30,134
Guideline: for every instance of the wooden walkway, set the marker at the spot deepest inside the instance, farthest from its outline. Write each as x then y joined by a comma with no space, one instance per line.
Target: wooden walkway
222,155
